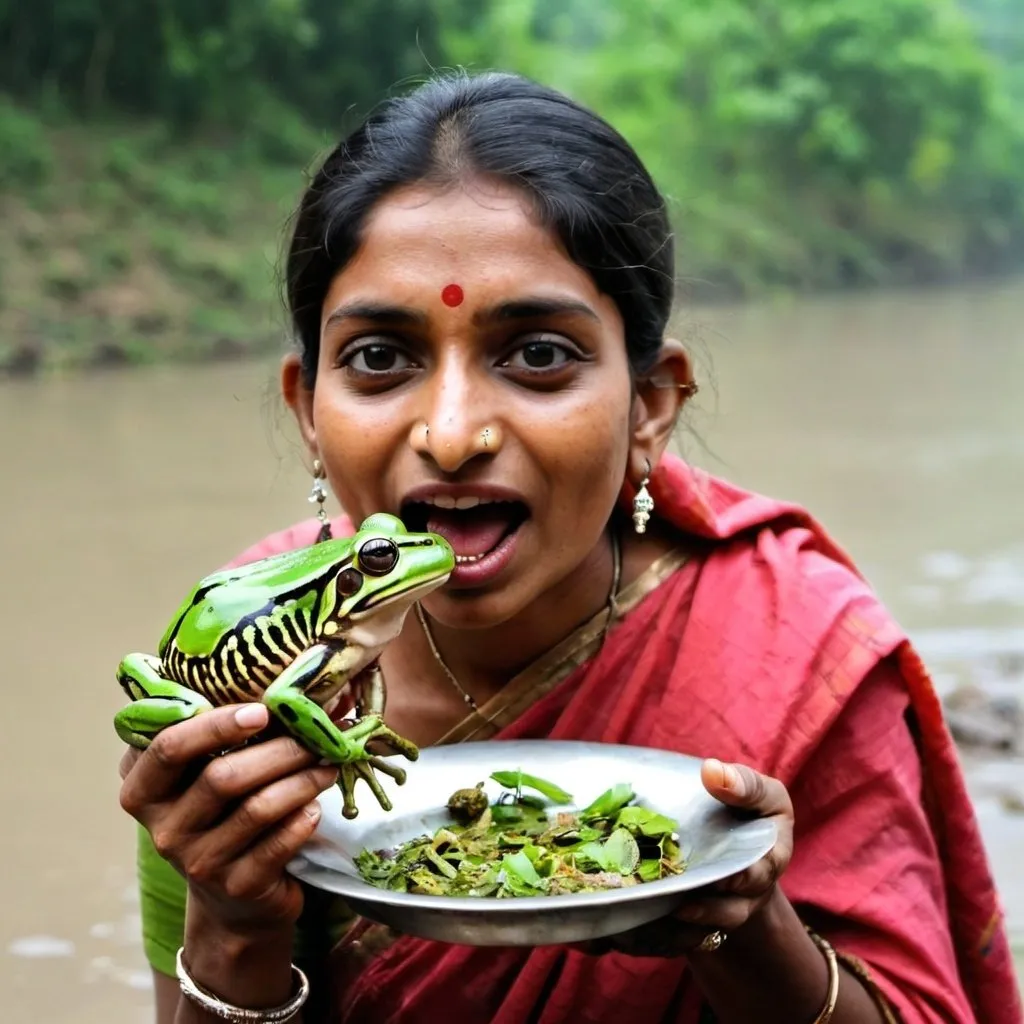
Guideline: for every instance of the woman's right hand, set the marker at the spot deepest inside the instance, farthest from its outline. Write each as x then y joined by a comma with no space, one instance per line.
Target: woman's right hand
228,824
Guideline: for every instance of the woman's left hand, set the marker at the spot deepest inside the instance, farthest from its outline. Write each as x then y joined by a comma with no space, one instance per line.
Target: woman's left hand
727,905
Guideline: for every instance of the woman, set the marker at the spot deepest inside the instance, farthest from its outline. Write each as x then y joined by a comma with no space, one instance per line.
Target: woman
480,279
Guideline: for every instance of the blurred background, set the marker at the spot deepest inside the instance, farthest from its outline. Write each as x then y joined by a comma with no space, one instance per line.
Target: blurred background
847,180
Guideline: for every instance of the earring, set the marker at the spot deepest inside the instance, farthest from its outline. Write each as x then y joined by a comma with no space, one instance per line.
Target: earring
643,503
317,496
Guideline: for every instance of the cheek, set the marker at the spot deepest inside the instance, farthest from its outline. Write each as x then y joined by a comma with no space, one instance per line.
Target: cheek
586,454
356,442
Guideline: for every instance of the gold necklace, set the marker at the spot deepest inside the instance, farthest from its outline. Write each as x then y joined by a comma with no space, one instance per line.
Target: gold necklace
609,604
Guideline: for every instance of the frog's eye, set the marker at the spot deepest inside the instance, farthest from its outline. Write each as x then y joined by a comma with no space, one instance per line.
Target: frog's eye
378,557
349,582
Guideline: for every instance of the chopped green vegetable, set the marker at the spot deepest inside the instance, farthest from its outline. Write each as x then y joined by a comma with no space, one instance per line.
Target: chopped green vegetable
608,802
517,847
517,779
641,821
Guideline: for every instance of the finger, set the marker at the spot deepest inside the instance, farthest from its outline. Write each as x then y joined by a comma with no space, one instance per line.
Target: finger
756,880
128,761
258,874
174,751
725,913
228,779
260,813
739,786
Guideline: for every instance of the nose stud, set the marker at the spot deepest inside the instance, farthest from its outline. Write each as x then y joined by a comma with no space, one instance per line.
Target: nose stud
485,436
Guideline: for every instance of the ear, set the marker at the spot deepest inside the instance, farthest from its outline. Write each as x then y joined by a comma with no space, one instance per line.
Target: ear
299,399
660,396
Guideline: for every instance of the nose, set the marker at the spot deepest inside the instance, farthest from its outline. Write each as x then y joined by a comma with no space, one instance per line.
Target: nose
457,423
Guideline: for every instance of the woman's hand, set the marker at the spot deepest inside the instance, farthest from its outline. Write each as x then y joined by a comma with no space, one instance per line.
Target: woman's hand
229,824
727,905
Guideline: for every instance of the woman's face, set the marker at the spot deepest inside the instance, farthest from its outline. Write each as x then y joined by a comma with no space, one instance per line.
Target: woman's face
474,382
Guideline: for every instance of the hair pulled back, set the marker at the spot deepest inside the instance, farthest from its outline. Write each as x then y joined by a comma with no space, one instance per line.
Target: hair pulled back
584,180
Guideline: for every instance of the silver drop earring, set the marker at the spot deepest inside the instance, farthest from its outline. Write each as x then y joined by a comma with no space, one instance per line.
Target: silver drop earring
317,496
643,503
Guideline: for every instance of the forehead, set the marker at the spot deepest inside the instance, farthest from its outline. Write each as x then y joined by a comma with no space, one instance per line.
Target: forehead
483,236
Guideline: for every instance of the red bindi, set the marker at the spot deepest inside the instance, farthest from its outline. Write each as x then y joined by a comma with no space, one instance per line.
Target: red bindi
451,295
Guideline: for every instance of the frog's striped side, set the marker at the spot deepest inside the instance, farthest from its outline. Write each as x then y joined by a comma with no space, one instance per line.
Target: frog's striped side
230,643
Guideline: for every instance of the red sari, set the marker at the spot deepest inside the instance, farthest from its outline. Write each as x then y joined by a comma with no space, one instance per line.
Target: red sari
766,647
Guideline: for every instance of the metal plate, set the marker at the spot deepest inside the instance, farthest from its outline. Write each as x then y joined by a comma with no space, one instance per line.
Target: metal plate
714,841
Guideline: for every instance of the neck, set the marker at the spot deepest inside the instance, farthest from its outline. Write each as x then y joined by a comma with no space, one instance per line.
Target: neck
484,660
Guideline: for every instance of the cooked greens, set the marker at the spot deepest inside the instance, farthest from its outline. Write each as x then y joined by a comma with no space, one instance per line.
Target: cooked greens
527,845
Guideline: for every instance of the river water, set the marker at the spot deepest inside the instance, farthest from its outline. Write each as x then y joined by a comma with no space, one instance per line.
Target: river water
896,418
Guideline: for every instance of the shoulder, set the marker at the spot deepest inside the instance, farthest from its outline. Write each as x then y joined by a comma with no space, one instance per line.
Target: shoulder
790,576
298,535
789,630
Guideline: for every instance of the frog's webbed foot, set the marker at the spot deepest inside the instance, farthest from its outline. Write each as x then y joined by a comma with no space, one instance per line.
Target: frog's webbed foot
350,774
362,762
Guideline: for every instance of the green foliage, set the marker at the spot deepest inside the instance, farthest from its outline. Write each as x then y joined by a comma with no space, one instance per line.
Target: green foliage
25,156
147,250
245,66
804,142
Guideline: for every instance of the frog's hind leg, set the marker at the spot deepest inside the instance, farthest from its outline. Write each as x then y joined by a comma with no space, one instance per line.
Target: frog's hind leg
156,702
312,726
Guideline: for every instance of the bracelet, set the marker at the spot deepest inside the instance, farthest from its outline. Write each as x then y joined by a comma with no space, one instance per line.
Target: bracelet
238,1014
833,978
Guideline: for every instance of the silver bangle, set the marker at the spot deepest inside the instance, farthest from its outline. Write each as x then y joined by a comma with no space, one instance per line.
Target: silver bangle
238,1014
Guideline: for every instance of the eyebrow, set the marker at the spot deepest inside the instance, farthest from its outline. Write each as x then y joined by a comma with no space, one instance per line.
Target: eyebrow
527,308
533,307
377,312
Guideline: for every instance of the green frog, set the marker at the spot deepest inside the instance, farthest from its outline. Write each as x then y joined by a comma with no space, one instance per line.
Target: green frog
296,631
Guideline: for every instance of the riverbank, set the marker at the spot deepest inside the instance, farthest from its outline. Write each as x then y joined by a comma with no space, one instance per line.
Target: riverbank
120,245
123,245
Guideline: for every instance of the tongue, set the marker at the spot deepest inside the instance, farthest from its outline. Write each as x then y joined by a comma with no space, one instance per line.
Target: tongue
472,531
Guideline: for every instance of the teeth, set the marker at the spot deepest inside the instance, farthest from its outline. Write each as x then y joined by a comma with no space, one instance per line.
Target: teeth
467,559
447,501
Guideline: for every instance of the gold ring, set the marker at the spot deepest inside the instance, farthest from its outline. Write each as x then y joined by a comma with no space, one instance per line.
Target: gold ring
711,942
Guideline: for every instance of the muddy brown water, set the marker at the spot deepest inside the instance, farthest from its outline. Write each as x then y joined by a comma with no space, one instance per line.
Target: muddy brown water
897,418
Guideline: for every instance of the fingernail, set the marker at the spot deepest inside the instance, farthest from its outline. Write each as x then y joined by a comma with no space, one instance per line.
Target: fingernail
734,780
251,715
312,811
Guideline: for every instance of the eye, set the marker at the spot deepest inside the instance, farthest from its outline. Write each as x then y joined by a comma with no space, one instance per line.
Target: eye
378,358
540,355
378,557
349,582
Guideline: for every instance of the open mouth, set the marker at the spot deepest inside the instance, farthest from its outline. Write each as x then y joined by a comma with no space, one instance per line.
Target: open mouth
481,531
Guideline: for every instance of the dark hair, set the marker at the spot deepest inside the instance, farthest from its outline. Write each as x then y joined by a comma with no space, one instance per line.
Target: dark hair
585,180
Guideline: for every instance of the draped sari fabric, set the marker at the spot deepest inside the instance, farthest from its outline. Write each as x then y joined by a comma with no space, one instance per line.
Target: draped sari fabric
759,643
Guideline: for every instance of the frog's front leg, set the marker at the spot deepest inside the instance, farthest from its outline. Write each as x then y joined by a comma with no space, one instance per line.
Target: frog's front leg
312,726
156,702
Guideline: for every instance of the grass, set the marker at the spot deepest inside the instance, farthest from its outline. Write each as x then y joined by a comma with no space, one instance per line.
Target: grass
119,246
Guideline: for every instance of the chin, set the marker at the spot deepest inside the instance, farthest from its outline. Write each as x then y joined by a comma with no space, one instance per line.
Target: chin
473,609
